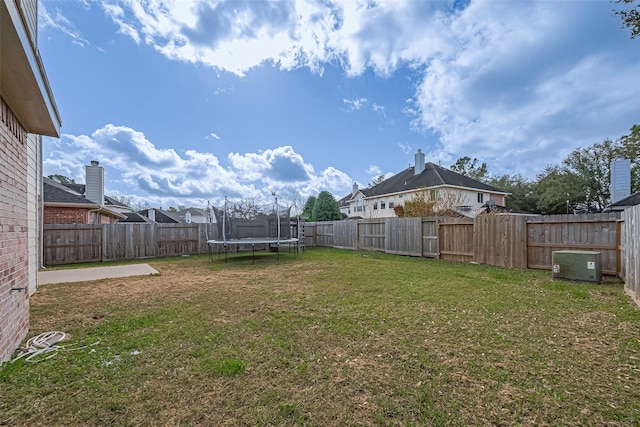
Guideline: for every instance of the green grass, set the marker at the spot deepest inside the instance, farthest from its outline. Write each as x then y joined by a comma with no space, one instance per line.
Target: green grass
332,338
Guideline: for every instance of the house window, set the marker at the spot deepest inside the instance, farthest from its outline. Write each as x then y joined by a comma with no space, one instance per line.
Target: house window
432,194
390,205
480,197
383,204
375,205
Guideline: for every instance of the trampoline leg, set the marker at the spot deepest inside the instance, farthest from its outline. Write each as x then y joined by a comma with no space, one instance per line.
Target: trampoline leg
253,253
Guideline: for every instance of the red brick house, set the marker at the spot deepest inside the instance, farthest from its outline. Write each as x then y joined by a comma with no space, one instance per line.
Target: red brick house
80,203
63,205
27,110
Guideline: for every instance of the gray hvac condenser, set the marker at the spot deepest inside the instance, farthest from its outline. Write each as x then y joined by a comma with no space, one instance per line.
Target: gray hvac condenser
579,266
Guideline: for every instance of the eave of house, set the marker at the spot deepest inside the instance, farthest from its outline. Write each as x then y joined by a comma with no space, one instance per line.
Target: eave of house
72,205
23,81
88,206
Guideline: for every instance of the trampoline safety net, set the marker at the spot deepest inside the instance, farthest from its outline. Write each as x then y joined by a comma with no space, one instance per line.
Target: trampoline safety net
256,222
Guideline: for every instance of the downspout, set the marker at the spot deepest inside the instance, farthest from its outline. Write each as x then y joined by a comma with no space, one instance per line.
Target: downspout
41,207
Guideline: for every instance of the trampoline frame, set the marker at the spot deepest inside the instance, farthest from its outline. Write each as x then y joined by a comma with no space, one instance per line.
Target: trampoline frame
225,244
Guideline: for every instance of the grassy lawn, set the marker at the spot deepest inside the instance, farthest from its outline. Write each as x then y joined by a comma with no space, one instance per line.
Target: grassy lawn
331,338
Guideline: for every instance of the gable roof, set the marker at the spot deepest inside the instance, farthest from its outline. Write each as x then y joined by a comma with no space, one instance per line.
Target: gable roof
110,201
162,217
432,176
81,189
54,192
632,200
134,217
192,211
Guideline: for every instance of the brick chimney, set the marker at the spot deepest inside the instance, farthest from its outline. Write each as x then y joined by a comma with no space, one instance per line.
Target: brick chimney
94,183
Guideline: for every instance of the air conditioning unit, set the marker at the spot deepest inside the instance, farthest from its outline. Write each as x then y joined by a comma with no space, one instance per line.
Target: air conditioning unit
579,266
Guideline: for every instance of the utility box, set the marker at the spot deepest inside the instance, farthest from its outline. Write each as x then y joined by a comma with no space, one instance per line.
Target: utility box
578,266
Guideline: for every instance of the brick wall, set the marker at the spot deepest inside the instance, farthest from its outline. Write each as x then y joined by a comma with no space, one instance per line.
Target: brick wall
14,249
62,215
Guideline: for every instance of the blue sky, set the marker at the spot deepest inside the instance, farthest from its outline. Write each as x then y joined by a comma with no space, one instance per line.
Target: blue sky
185,102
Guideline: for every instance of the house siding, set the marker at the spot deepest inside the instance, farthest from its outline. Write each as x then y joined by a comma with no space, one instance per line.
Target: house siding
14,234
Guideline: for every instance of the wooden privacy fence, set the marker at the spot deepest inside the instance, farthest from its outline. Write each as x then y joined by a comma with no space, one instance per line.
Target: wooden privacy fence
402,236
78,243
514,241
631,243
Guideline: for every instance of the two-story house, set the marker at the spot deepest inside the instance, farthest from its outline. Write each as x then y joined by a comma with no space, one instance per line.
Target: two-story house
27,110
449,191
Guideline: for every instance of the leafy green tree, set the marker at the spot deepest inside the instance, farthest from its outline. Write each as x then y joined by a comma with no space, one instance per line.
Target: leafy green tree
62,179
467,167
559,191
326,208
584,176
630,149
308,207
630,16
523,194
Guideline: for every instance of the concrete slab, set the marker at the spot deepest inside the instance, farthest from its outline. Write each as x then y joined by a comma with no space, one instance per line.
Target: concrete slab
94,273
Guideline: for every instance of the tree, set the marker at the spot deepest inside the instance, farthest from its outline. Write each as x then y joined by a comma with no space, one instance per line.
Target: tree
290,197
376,180
429,202
141,206
559,191
326,208
308,207
247,208
62,179
523,195
124,200
583,178
630,16
467,167
630,149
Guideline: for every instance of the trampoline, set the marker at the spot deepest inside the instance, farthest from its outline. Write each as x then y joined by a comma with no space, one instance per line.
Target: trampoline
266,227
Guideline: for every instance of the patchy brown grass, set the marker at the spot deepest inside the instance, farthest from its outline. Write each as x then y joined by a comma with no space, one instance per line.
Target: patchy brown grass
332,338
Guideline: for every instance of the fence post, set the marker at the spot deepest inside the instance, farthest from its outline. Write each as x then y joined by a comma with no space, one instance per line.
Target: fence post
103,244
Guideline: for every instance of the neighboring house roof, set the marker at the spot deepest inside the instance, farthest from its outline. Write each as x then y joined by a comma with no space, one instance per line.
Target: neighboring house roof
632,200
162,217
56,194
432,176
78,188
108,201
134,217
193,211
344,202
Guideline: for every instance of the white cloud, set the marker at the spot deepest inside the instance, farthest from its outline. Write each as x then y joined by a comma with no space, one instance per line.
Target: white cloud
57,21
513,83
378,108
212,135
405,148
374,170
354,104
135,167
